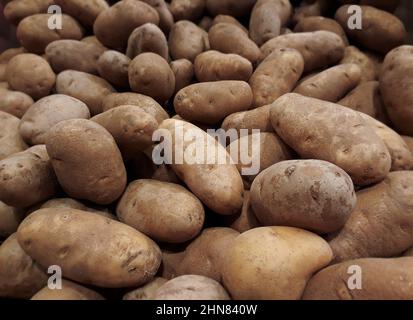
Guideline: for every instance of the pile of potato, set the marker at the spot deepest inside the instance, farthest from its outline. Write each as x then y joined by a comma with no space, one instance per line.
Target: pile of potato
79,189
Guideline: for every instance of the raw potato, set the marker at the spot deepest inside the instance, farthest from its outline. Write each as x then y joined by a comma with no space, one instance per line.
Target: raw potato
113,66
166,19
3,68
246,219
10,218
146,292
47,112
20,275
316,23
14,102
381,225
205,23
319,48
17,10
123,17
95,41
27,178
396,86
215,181
69,291
147,38
10,140
331,84
86,87
258,118
366,63
34,34
187,10
222,18
381,31
36,81
4,85
87,253
8,54
273,263
388,5
211,102
165,212
309,8
183,70
317,129
85,12
229,38
409,142
234,8
187,40
170,262
151,75
276,75
191,287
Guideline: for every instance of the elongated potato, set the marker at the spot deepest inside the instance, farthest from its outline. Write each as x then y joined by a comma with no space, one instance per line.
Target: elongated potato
85,12
316,23
381,225
211,102
183,70
113,67
234,8
10,218
276,75
366,63
273,263
224,196
69,291
223,18
14,102
258,118
17,10
77,148
187,10
10,139
89,257
146,292
326,131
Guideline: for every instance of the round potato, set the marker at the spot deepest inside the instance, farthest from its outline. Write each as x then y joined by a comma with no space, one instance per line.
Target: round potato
10,140
317,23
85,12
146,292
113,66
234,8
258,118
183,70
10,218
187,10
68,291
14,102
17,10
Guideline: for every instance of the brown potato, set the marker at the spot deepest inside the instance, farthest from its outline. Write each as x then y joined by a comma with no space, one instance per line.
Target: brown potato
3,68
205,23
183,70
316,23
170,262
388,5
8,54
246,219
95,41
10,140
366,63
85,12
10,218
222,18
88,254
17,10
113,66
409,142
309,8
234,8
187,10
258,118
77,159
146,292
166,19
14,102
4,85
68,291
273,263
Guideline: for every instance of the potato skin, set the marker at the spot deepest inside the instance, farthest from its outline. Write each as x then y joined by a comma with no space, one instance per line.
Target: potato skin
76,148
223,18
86,87
15,103
191,287
396,88
151,75
385,31
10,218
383,212
27,178
20,275
85,12
85,257
69,291
36,81
273,263
211,102
215,66
123,17
146,292
113,66
258,118
341,136
10,142
244,220
187,10
166,19
234,8
383,279
147,38
47,112
8,54
366,63
409,142
183,70
34,34
17,10
224,196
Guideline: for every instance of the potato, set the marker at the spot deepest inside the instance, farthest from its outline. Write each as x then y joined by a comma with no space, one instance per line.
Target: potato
191,287
89,257
215,66
27,178
204,256
276,75
258,118
211,102
388,5
4,85
316,23
14,102
331,84
273,263
229,38
3,68
384,32
86,13
205,23
166,19
69,291
165,212
170,263
396,88
366,63
309,8
381,225
113,66
228,19
34,34
95,41
73,54
382,279
131,128
10,140
183,70
17,10
316,129
146,292
267,18
76,148
123,17
36,81
87,88
234,8
187,10
8,54
187,40
141,101
147,38
409,142
20,275
319,48
10,218
215,181
47,112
